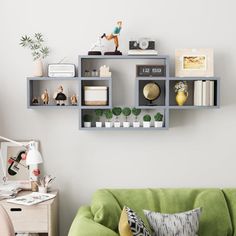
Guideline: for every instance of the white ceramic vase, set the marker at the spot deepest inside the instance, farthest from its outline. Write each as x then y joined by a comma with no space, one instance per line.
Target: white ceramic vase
108,124
99,124
136,124
87,124
146,124
126,124
158,124
117,124
38,68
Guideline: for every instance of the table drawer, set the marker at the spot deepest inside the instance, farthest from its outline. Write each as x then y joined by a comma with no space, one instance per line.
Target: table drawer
28,218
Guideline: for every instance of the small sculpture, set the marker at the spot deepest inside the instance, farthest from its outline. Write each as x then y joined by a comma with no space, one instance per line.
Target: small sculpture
60,97
35,101
105,71
96,49
73,100
114,36
45,97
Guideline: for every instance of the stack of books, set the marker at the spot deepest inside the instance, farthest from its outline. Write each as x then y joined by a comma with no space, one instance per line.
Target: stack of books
204,93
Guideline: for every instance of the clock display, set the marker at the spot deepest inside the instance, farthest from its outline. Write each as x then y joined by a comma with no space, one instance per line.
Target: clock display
150,70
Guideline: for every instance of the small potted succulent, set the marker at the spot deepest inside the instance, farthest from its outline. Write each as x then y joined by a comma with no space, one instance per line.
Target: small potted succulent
87,120
99,114
108,115
147,121
136,112
158,120
126,112
116,112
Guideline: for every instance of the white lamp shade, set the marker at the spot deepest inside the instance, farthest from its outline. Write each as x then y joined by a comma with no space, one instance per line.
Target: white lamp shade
33,157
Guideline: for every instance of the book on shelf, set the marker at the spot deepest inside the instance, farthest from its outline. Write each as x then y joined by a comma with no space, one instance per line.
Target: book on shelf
32,198
204,93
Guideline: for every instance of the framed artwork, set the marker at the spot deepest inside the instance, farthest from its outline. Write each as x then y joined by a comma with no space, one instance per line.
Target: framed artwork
14,159
194,62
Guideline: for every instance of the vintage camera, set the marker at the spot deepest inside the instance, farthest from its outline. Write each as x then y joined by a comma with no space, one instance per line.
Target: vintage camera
142,44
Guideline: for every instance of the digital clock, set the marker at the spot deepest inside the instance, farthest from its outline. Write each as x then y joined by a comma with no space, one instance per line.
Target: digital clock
151,70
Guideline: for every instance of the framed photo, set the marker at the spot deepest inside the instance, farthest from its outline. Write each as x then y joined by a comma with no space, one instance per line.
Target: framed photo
194,63
14,159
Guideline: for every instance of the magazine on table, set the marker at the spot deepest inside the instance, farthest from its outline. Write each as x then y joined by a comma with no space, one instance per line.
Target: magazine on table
32,198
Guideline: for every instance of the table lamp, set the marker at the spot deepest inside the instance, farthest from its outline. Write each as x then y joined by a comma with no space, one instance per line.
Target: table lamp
33,155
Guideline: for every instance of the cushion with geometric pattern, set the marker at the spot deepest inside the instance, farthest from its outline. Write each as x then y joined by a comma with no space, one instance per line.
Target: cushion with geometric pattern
131,224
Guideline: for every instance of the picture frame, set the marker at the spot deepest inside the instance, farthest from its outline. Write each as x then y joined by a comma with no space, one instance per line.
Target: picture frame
194,62
16,170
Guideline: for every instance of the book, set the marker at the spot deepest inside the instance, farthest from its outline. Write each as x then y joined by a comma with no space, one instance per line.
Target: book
32,198
206,93
212,93
198,93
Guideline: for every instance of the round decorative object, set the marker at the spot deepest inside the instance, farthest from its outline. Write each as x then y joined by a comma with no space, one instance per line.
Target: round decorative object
143,43
151,91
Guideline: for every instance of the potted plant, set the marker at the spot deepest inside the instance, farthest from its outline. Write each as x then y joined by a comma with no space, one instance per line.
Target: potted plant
146,121
181,89
126,112
39,51
158,120
87,120
136,112
116,112
108,115
99,114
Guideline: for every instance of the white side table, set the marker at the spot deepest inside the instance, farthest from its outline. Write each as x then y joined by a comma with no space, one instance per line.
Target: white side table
40,218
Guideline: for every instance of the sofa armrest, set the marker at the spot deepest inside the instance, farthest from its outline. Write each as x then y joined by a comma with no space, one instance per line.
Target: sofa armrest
84,225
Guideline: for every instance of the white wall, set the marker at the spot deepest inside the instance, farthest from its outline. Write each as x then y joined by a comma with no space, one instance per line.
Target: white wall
197,151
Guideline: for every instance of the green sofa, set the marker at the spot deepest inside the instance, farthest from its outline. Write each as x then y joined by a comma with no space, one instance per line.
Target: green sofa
102,217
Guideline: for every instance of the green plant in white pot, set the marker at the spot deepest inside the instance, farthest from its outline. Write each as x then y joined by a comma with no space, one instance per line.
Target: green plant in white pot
99,114
116,112
126,112
108,115
87,120
136,112
158,120
38,51
147,121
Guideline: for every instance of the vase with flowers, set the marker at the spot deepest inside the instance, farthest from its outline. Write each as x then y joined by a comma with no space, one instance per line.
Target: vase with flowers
181,89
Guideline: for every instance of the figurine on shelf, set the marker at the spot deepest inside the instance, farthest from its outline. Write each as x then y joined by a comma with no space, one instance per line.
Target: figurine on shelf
105,71
96,49
60,97
114,36
45,97
35,101
73,100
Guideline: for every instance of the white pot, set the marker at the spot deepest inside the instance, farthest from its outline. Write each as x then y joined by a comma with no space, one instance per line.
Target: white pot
146,124
108,124
99,124
38,68
136,124
158,124
117,124
126,124
87,124
42,189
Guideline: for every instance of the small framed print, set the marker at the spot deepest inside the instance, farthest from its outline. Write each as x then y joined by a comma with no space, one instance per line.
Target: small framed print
194,62
16,170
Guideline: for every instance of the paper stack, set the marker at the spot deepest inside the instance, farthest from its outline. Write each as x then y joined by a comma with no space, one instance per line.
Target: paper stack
9,190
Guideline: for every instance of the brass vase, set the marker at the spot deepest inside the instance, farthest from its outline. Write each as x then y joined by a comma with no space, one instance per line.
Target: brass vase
181,97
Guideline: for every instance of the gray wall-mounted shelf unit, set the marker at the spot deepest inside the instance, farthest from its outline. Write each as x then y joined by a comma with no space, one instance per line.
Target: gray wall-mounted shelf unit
124,88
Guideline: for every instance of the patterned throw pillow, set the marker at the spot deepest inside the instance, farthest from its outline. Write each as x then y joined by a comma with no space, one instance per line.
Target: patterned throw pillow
180,224
130,222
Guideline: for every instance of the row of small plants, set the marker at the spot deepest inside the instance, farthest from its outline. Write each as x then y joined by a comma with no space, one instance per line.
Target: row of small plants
126,112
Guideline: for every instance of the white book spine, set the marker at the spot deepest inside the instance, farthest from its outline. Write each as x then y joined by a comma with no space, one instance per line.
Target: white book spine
206,93
198,93
212,95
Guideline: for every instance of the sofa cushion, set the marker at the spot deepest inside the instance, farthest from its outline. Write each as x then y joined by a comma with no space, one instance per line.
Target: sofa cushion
181,224
131,224
107,205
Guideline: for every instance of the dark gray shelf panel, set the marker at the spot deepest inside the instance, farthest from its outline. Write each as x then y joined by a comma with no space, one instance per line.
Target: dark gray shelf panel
53,78
165,57
193,107
95,107
193,78
53,107
96,78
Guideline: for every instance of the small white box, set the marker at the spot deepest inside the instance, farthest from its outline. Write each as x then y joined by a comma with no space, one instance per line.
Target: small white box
95,95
